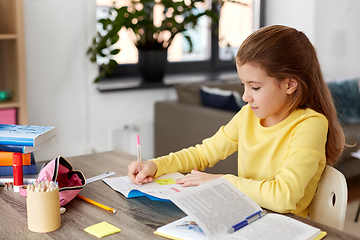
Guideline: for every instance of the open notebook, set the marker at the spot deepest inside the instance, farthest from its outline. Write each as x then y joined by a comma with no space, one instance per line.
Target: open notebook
160,189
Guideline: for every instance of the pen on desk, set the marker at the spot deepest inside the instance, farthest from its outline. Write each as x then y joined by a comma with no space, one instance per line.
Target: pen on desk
138,153
247,221
96,203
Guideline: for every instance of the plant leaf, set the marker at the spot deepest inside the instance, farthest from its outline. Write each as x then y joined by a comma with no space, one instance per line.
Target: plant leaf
115,51
191,46
114,39
112,63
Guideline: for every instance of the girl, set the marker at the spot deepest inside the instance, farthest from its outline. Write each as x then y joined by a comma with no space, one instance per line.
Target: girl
285,135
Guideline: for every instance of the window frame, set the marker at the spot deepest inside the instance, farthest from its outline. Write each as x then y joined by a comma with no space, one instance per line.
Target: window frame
214,64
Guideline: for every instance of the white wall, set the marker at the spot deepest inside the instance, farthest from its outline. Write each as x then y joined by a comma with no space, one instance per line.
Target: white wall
332,26
57,72
338,35
299,14
110,112
60,91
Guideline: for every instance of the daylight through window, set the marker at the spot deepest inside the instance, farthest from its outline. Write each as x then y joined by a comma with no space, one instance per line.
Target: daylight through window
236,23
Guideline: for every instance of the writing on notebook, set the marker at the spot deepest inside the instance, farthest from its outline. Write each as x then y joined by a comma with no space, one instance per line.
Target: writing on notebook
160,189
166,181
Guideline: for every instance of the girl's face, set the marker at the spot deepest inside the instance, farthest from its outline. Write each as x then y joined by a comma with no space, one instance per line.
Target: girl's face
268,98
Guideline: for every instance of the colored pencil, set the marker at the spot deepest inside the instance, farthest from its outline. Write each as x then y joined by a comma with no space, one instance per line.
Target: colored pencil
96,203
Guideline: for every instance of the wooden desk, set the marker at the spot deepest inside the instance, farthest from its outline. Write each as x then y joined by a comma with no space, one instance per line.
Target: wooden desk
137,218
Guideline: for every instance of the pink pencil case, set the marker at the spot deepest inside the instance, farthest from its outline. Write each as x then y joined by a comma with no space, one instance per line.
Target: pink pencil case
70,181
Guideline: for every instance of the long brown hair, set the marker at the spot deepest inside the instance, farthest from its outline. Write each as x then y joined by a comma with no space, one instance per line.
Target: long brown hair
285,52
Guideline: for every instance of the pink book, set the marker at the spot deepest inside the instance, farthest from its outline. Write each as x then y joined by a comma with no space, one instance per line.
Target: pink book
8,116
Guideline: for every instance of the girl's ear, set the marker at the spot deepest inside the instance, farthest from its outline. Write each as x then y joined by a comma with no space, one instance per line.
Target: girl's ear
291,85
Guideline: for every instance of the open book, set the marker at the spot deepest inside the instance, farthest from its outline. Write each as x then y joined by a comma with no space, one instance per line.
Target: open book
160,189
215,207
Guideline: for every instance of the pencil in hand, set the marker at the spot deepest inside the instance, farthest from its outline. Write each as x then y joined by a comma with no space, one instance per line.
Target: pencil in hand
138,153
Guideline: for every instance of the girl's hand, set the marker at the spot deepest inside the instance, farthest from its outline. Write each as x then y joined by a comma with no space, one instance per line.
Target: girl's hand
146,174
196,178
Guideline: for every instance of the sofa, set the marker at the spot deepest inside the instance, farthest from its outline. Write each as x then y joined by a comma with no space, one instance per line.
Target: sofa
188,120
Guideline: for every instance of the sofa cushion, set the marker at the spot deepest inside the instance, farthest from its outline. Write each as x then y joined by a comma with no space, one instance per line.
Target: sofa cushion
221,99
346,99
190,93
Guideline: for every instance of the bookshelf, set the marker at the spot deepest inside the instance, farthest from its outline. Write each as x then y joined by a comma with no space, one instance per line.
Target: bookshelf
12,57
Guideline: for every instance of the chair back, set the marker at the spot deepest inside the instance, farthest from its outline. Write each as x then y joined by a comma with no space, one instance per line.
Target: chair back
330,201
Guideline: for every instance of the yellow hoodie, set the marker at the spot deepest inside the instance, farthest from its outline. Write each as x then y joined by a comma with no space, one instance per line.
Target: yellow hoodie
279,167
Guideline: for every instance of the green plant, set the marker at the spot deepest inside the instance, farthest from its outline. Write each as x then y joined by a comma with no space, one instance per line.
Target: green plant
179,16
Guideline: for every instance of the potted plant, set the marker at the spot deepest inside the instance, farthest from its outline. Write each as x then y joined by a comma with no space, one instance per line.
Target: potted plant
152,41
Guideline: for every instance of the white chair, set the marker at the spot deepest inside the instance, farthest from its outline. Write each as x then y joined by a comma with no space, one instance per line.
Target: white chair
330,201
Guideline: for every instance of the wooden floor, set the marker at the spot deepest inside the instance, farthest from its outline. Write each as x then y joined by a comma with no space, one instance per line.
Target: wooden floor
353,189
351,226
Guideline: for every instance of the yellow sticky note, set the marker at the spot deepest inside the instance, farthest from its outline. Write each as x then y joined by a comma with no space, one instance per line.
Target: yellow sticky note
166,181
102,229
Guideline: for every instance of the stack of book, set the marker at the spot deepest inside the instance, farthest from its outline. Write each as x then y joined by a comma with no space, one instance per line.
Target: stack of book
22,139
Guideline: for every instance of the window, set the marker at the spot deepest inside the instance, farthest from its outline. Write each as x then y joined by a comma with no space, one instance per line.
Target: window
211,51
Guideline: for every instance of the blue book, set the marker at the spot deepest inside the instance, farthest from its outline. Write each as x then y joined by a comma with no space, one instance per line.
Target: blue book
25,149
25,135
28,178
27,169
8,170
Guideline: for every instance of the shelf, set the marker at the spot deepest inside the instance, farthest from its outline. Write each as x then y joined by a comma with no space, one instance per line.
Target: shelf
9,104
8,14
12,57
8,36
136,83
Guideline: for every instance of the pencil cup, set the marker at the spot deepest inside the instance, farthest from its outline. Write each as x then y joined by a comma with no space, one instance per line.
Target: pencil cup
43,211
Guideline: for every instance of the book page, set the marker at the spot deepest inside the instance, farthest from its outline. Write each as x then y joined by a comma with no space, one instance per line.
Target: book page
184,228
270,227
215,206
162,187
121,184
275,227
